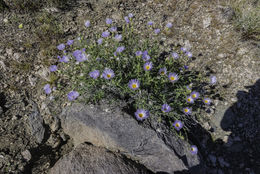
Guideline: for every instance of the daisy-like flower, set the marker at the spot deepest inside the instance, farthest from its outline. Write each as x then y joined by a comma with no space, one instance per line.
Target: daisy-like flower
70,42
169,25
178,125
150,23
64,59
47,88
166,108
148,66
189,54
108,74
99,41
61,47
145,56
109,21
113,29
130,15
175,55
173,77
126,19
141,114
94,74
72,95
134,84
53,68
163,71
105,34
187,111
118,37
206,101
194,150
190,99
213,80
80,55
138,53
157,31
87,23
195,95
120,49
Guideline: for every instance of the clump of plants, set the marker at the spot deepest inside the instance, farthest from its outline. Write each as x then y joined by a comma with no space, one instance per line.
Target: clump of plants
120,65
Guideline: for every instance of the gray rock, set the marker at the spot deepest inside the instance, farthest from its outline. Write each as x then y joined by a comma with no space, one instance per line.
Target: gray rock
88,159
36,123
120,132
26,155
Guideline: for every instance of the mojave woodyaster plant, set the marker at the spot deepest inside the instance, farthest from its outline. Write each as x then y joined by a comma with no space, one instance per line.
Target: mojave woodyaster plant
120,64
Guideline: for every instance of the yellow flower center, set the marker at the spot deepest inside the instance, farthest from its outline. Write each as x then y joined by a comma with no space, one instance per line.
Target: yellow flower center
141,115
162,72
194,95
134,85
147,67
186,110
206,101
177,125
172,78
108,75
189,99
193,149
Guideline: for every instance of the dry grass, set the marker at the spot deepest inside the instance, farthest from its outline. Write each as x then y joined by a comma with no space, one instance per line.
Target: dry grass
247,17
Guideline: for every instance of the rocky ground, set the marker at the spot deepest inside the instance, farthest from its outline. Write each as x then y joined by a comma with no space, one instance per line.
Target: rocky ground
34,136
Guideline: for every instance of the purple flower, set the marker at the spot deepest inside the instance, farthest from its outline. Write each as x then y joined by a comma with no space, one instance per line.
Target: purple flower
113,29
173,77
194,150
105,34
183,49
195,95
145,56
64,59
150,23
61,47
130,15
70,42
213,80
109,21
148,66
175,55
80,56
186,67
190,99
141,114
53,68
100,41
47,89
169,25
138,53
126,19
163,71
108,74
156,31
72,95
166,108
189,54
187,111
178,125
120,49
118,37
134,84
87,23
189,87
94,74
206,101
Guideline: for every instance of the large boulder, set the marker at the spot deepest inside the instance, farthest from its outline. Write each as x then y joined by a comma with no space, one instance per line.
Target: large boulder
95,160
120,132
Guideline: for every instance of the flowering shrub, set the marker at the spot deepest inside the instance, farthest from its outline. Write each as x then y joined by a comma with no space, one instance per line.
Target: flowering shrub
121,65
